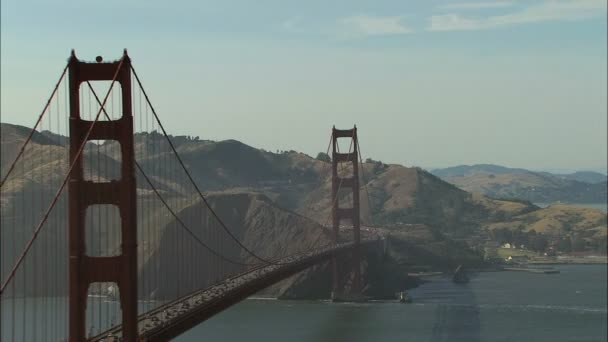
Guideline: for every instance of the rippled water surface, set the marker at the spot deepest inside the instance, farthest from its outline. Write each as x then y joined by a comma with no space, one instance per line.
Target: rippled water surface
496,306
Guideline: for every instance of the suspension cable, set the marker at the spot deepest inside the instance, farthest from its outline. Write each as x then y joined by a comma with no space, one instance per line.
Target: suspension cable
179,159
369,203
29,137
318,183
177,218
65,180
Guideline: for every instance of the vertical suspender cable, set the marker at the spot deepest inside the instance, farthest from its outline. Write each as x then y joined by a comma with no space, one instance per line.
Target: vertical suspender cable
52,205
29,138
177,156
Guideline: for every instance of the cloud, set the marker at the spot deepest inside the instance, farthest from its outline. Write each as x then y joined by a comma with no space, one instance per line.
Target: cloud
476,5
374,26
547,11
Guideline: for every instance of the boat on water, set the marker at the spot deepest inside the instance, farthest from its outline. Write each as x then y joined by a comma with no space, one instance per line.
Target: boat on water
404,298
460,276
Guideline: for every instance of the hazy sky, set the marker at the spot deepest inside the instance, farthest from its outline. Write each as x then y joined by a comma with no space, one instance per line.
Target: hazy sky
428,83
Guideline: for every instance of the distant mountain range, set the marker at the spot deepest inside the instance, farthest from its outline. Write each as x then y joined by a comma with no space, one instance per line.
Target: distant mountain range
590,177
503,182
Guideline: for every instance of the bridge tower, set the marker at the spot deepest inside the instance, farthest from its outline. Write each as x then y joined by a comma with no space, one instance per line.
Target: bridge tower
352,214
84,269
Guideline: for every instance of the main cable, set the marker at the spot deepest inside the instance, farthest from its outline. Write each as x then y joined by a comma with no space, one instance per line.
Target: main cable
369,203
179,159
29,137
179,220
65,180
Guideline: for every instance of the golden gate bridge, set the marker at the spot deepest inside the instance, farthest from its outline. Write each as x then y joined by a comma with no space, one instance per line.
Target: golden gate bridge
106,234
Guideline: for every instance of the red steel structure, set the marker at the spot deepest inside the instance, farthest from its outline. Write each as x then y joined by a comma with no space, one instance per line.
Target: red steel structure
85,270
174,254
352,214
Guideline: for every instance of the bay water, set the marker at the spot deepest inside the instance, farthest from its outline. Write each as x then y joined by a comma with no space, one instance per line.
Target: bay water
493,306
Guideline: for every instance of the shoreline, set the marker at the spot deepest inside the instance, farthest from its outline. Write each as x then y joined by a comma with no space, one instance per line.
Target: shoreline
428,277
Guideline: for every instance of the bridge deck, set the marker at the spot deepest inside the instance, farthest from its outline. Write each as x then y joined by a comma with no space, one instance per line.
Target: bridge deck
176,317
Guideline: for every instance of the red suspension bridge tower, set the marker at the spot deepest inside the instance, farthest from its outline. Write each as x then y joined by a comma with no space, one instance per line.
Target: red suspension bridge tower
85,270
351,214
191,265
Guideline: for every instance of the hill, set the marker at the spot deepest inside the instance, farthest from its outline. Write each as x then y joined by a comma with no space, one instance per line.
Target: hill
590,177
283,199
471,170
567,228
542,187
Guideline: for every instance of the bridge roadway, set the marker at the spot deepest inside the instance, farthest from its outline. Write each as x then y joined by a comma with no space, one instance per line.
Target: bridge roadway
174,318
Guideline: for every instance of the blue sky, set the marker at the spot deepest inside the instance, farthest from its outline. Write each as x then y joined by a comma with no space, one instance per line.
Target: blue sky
428,83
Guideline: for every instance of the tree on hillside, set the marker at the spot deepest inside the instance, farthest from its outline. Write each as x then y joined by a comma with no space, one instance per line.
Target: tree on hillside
519,237
578,244
564,245
538,242
502,235
324,157
491,253
600,245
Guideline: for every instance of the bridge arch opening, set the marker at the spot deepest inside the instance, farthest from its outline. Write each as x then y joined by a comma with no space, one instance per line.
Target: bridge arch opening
102,161
91,96
103,308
